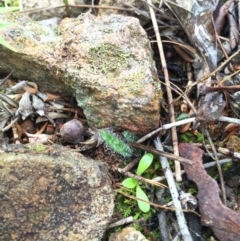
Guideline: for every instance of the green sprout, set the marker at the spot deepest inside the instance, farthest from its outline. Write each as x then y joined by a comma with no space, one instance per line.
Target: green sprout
132,183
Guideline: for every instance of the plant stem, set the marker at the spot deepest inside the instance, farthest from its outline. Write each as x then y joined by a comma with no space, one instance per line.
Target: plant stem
168,89
174,193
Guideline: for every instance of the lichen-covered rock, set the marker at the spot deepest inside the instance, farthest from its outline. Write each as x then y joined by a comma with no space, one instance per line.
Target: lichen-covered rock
106,63
53,193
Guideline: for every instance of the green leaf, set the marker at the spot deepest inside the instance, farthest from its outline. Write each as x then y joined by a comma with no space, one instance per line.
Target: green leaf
116,144
65,2
9,9
182,116
144,163
130,183
143,206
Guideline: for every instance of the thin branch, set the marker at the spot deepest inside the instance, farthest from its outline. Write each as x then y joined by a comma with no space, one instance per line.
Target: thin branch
159,206
129,174
218,167
168,89
32,10
121,222
206,165
229,119
166,127
182,122
160,153
174,193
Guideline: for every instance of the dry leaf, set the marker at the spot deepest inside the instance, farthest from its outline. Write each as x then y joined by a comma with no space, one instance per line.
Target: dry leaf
224,222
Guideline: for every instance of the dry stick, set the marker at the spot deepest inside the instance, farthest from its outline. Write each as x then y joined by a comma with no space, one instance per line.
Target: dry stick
228,152
174,193
206,165
166,127
218,167
75,6
162,220
160,206
216,70
131,164
223,50
182,122
168,89
142,179
121,222
160,153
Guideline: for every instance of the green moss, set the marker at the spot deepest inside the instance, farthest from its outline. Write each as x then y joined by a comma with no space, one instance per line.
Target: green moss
227,166
107,58
190,137
37,148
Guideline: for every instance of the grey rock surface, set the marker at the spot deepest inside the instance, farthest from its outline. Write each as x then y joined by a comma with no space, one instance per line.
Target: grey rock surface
106,63
52,193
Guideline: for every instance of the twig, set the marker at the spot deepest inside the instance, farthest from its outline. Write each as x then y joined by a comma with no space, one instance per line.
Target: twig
174,193
2,81
228,152
182,122
216,70
160,153
11,124
218,167
158,206
229,119
206,165
166,127
182,95
129,174
120,222
162,220
168,89
32,10
131,164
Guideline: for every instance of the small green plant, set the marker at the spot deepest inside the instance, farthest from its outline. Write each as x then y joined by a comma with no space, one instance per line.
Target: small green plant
116,144
190,137
9,6
182,116
132,183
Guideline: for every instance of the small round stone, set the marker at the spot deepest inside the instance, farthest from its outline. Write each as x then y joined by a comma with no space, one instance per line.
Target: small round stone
72,131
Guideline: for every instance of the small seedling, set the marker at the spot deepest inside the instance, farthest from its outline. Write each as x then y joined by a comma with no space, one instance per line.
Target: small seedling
132,183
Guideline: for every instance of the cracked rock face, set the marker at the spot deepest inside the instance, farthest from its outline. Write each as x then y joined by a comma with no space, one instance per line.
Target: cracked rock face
53,194
106,63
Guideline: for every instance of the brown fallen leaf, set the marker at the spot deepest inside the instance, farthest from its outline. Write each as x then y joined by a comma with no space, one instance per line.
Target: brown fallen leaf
224,222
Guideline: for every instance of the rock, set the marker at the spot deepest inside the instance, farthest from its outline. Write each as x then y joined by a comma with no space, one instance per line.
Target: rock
127,234
141,9
53,193
39,10
106,63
